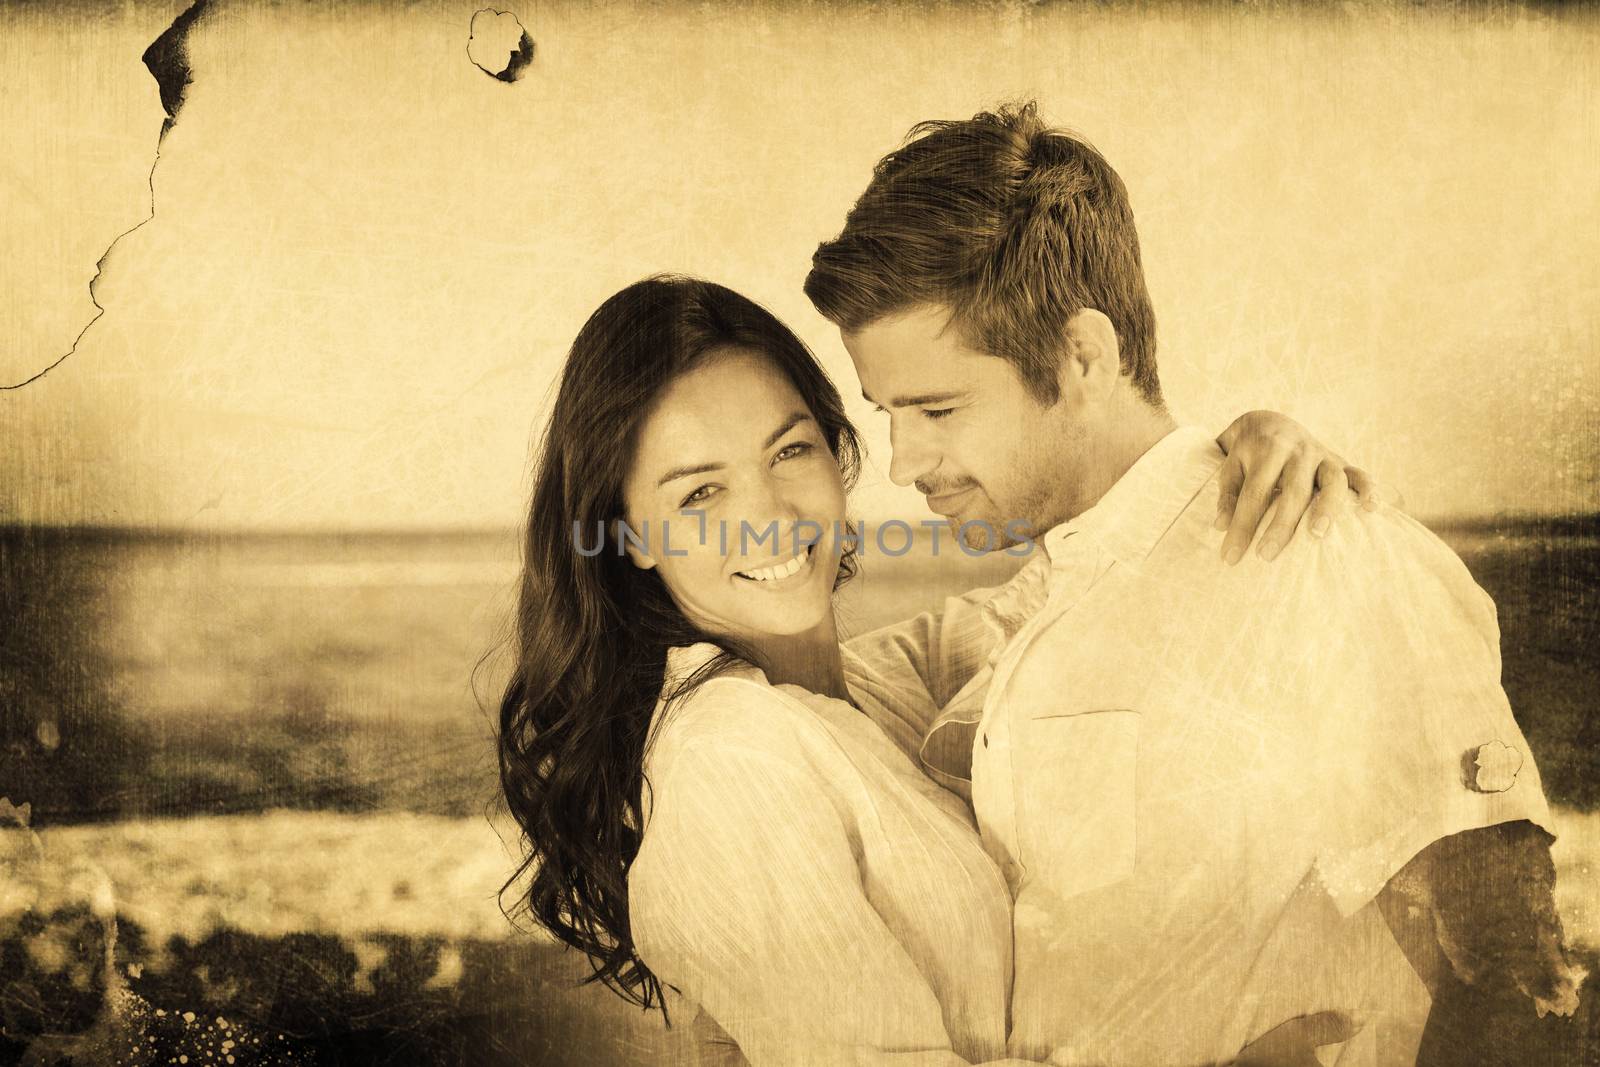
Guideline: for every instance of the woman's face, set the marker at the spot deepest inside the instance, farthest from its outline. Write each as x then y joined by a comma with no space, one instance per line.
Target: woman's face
731,479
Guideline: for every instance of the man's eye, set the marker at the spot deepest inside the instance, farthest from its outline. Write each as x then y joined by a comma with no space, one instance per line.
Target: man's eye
697,496
799,448
937,413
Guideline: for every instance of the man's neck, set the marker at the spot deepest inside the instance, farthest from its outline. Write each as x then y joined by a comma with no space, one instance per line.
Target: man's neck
1112,451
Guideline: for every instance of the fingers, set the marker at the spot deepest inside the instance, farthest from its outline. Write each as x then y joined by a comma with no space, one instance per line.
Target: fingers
1228,440
1366,488
1325,1027
1294,1042
1229,480
1254,496
1332,488
1294,497
1252,1057
1253,501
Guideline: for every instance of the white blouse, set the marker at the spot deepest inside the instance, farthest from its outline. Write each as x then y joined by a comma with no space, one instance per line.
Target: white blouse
807,892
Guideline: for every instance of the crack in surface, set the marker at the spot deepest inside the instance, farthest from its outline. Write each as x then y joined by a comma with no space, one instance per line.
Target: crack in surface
167,60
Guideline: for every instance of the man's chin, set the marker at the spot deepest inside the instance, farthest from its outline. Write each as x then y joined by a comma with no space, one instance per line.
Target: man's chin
983,533
978,533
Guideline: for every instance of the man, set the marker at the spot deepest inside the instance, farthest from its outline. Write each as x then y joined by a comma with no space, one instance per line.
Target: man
1223,796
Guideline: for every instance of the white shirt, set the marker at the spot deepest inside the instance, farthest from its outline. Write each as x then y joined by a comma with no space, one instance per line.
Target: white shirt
803,884
1197,778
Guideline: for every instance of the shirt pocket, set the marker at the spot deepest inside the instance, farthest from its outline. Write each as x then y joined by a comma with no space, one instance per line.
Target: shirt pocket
1077,789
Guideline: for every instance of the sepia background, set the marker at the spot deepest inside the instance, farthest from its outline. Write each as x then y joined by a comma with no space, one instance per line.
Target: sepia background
258,520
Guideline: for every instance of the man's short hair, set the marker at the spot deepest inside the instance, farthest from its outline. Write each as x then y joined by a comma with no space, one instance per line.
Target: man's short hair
1014,226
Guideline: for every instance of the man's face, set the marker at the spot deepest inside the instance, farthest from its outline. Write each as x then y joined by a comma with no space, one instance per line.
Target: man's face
965,430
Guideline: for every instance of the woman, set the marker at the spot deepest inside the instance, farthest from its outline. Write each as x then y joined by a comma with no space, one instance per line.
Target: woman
707,812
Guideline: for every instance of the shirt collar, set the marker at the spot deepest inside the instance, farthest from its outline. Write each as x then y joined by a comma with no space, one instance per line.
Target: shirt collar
684,660
1144,503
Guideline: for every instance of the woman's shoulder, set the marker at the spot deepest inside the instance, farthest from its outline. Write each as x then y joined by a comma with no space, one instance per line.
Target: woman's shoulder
730,754
734,712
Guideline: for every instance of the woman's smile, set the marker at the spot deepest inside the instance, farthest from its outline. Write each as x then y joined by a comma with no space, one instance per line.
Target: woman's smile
783,575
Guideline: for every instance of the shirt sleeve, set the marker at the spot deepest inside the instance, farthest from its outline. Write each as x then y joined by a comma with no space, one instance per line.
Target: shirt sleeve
917,666
1416,739
747,898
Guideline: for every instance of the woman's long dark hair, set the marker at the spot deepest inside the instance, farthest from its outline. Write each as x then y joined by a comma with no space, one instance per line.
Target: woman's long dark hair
593,630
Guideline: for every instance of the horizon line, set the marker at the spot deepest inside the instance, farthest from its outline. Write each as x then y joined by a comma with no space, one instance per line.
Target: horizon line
1577,523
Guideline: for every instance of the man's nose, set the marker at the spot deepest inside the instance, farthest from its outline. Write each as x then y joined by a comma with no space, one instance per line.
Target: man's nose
909,455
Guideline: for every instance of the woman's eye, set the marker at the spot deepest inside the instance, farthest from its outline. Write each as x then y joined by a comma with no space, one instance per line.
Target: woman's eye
880,409
937,413
799,448
697,496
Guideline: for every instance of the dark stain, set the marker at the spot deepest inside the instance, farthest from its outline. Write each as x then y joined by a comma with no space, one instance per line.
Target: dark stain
167,59
519,61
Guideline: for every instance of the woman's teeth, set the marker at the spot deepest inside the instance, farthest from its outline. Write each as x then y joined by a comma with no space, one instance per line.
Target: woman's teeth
782,570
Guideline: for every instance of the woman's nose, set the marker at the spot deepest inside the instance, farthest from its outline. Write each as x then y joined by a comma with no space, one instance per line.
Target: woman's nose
770,523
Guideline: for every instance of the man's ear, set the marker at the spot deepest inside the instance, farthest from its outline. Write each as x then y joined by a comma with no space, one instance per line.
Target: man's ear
1093,360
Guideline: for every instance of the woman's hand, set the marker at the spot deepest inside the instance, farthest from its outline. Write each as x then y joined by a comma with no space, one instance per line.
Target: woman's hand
1272,455
1294,1043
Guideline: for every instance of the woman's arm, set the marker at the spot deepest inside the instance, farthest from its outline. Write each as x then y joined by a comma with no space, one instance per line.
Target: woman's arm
747,898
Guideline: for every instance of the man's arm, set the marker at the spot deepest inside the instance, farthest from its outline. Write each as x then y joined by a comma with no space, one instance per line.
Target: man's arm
1444,823
921,663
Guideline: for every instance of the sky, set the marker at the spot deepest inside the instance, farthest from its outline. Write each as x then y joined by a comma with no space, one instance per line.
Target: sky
367,258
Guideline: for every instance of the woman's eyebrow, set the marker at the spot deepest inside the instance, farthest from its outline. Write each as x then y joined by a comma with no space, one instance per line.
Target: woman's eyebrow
683,472
790,423
702,468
